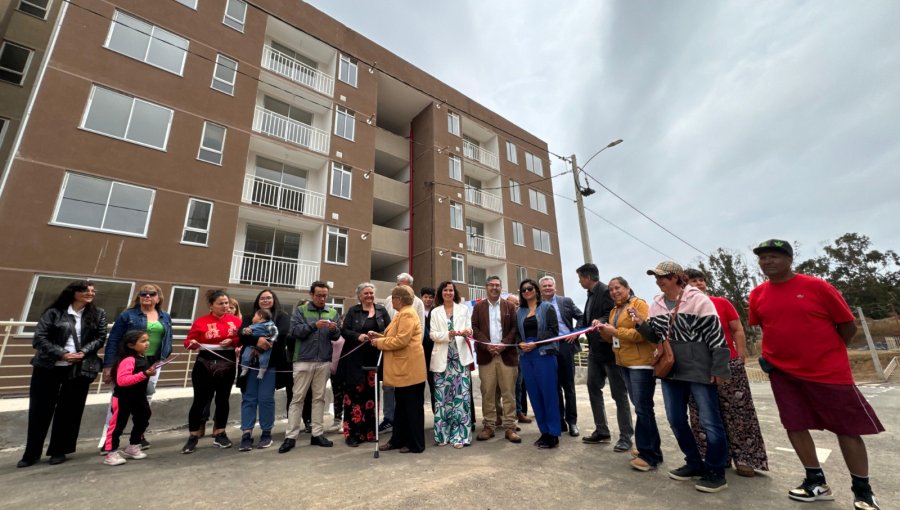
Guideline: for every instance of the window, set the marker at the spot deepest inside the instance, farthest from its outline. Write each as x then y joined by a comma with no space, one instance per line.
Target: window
511,155
542,273
541,240
112,296
537,200
37,8
235,14
182,304
188,3
515,192
108,206
456,216
14,60
518,233
455,168
534,164
224,74
212,143
344,123
127,118
341,179
521,273
336,303
196,222
336,245
148,43
458,268
453,123
347,70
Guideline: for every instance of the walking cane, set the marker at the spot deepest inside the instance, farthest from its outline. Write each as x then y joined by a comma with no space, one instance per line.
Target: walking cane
375,368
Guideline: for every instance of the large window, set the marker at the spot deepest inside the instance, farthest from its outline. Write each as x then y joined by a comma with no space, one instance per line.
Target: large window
341,180
14,60
458,268
36,8
112,296
541,240
521,274
235,14
344,123
534,164
347,70
537,201
518,233
453,123
182,304
212,143
515,191
456,216
148,43
108,206
511,155
127,118
336,245
455,168
224,74
196,222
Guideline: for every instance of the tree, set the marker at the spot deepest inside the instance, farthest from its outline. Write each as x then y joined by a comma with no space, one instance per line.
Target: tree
729,276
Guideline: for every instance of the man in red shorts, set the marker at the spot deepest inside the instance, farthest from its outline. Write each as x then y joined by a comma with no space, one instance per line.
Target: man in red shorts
806,328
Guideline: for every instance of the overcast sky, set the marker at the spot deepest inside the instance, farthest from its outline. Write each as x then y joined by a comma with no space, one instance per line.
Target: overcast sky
742,120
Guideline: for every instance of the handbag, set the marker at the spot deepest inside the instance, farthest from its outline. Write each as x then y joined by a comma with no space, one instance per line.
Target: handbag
663,356
216,367
89,367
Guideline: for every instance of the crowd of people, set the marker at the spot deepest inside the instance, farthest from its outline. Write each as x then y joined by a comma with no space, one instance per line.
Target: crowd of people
524,340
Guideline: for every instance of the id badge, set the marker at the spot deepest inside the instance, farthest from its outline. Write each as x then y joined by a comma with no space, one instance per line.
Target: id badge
615,342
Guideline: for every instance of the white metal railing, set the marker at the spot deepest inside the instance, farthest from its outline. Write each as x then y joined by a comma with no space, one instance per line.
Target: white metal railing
486,158
486,246
290,130
283,196
890,368
297,71
484,199
477,292
268,270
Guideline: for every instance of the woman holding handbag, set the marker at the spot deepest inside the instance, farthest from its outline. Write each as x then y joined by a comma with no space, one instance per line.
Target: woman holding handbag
686,319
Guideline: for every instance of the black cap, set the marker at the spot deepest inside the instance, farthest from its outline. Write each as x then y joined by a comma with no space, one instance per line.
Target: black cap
775,245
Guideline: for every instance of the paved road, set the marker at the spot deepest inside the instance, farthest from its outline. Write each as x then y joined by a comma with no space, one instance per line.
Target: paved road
492,474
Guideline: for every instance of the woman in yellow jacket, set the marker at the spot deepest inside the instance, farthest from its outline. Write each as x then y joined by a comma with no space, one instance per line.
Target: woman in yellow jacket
634,356
404,369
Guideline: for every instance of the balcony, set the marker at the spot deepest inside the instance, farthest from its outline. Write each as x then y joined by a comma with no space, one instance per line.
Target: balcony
477,292
283,197
297,71
484,199
486,246
290,130
476,153
269,271
390,241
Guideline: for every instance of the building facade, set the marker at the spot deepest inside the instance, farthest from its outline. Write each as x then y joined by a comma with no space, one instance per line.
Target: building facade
217,143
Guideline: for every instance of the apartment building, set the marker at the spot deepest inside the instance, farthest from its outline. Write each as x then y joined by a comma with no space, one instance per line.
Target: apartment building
221,143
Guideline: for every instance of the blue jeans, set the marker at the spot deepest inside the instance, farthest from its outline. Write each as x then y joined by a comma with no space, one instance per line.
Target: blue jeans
540,383
676,395
641,385
259,393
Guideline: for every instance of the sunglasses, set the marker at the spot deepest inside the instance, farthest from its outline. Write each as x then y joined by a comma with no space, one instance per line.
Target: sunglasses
147,293
527,289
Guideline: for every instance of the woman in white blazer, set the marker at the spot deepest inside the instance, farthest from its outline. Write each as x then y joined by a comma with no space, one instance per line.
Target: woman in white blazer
450,360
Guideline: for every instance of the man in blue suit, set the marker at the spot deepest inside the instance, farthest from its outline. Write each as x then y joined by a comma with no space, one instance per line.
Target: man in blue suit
568,315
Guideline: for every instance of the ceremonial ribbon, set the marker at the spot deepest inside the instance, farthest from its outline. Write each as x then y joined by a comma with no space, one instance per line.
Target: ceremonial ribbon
547,341
207,349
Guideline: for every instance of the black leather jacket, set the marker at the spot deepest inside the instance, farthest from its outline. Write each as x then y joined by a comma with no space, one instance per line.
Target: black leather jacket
53,330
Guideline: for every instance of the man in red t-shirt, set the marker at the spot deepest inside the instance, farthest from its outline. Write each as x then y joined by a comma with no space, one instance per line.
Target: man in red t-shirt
806,328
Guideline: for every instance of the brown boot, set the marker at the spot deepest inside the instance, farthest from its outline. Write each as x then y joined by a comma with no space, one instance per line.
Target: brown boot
485,434
523,418
512,437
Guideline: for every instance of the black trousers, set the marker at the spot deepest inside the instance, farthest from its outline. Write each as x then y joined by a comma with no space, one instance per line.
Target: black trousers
209,386
409,418
565,376
138,408
54,397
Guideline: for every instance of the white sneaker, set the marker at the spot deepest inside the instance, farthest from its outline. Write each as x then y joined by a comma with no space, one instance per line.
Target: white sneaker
133,451
114,459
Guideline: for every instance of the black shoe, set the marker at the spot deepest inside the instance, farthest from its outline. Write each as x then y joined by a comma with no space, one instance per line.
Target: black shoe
541,440
145,444
191,444
564,427
265,440
351,442
287,445
573,430
307,427
711,483
26,462
864,500
812,490
622,446
387,425
596,438
221,440
686,473
550,442
321,441
56,460
246,442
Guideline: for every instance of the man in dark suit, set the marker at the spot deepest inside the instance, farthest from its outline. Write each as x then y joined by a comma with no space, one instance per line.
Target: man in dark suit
602,364
568,315
494,322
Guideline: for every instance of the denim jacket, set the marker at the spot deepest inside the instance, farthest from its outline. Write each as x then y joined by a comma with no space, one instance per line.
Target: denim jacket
548,326
134,319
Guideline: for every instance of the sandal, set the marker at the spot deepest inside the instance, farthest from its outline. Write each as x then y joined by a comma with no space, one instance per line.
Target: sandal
458,446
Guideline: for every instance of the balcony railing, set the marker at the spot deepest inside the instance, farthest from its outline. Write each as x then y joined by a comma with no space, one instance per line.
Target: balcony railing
484,199
486,158
290,130
477,292
486,246
266,270
283,196
297,71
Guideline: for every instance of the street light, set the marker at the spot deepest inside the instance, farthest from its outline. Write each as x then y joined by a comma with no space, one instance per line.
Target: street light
585,191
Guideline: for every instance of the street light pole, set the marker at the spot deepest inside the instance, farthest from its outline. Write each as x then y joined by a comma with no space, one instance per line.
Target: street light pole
579,202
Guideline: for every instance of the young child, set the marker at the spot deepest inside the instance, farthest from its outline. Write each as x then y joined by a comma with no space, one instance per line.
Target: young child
262,327
132,373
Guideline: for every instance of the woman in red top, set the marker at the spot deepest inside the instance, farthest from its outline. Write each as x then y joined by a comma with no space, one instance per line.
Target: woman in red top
214,336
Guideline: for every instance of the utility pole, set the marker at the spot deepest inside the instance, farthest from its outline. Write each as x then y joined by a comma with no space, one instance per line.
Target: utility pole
582,222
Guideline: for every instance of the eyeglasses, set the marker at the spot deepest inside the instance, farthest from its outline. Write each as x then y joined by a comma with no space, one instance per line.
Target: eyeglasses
148,293
265,298
527,289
